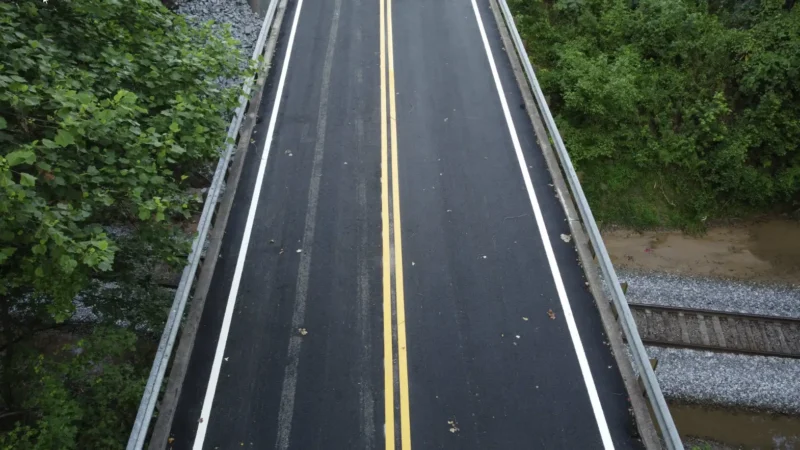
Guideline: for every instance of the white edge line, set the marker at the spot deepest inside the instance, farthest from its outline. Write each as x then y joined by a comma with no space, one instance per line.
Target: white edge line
248,228
548,248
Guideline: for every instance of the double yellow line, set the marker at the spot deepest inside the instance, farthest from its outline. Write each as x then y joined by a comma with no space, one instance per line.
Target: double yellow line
390,217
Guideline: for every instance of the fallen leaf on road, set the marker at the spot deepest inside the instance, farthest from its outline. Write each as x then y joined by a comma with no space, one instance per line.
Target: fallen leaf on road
551,314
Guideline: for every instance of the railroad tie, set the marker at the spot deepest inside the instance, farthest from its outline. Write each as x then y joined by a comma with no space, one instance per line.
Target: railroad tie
718,331
703,330
684,328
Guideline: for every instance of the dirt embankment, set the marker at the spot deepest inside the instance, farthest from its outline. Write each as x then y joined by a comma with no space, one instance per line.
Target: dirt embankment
766,251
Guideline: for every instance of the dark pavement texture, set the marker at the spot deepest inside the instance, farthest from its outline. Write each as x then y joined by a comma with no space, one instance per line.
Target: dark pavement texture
476,275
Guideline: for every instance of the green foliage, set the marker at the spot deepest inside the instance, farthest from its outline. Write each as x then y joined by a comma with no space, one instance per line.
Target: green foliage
673,110
111,120
82,396
108,107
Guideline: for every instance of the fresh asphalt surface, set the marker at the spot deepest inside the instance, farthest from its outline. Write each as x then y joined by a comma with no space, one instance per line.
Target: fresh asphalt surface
303,361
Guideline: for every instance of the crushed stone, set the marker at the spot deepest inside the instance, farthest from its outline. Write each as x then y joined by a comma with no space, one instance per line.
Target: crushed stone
720,295
725,379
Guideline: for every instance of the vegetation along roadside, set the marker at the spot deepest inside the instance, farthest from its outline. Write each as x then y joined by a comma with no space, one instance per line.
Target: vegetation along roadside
112,115
673,111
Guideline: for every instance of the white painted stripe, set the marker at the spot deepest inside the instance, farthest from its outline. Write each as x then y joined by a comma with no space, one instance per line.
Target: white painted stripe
205,414
548,248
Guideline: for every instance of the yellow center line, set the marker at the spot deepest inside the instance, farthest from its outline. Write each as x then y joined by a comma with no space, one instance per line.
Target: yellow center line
388,366
387,55
402,357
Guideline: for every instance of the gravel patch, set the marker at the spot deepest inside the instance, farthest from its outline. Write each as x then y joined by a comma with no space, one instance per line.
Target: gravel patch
245,24
721,295
744,381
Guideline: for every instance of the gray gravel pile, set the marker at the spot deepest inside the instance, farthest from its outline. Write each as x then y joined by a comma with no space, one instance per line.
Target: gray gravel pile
245,24
722,295
758,382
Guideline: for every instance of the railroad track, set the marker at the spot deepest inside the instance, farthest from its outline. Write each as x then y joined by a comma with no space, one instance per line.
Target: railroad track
669,326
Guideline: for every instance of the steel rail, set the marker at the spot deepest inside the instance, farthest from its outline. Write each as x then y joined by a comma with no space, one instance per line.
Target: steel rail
708,313
713,312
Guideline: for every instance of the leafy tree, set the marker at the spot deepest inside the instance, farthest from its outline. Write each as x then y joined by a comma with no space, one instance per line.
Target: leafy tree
674,111
81,396
111,119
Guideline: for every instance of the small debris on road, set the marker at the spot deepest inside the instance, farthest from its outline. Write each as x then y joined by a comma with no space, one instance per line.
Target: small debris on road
551,314
525,319
566,237
299,250
453,426
281,252
272,241
302,331
517,336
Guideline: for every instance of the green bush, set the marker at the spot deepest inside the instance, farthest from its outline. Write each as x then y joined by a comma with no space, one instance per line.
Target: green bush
111,121
673,111
82,396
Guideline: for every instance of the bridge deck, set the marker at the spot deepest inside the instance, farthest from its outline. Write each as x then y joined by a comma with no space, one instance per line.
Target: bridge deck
394,272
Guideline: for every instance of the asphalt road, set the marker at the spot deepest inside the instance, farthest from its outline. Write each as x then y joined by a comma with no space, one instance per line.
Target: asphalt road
393,273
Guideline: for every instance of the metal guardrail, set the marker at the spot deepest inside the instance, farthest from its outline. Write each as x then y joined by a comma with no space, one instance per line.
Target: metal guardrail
165,346
641,361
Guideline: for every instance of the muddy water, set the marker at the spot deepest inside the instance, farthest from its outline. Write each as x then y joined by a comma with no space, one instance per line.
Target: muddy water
767,251
737,429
